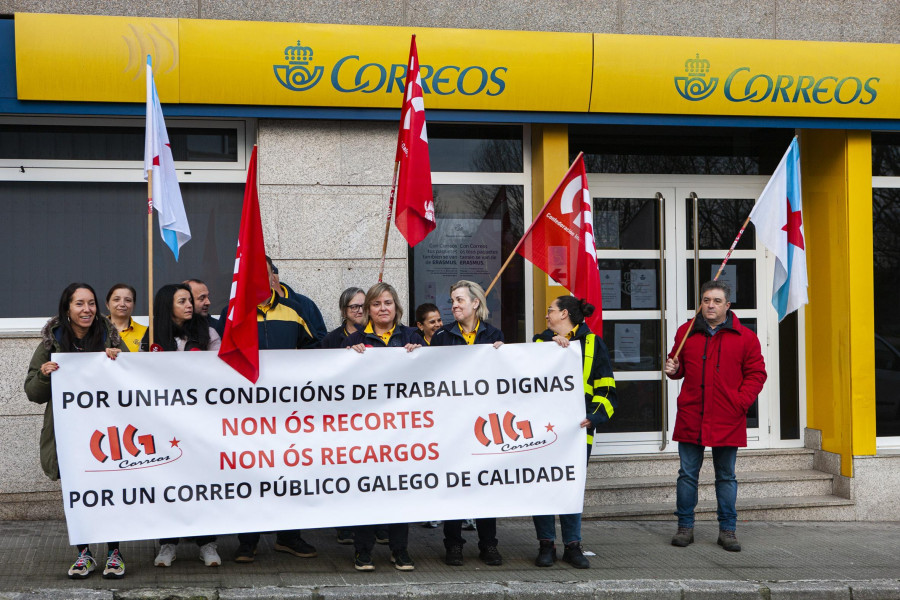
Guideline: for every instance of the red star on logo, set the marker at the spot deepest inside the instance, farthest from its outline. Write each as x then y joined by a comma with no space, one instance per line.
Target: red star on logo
174,442
549,427
794,221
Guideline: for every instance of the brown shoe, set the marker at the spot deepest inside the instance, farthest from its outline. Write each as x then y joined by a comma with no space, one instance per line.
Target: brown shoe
683,537
728,541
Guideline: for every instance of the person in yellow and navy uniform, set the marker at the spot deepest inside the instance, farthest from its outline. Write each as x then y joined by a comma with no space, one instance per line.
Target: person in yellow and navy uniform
470,327
383,330
120,301
565,321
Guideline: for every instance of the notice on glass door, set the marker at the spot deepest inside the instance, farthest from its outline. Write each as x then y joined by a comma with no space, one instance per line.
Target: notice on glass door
728,277
628,343
611,285
643,288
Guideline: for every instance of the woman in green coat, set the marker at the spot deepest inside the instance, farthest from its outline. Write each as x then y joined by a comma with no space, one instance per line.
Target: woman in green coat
76,328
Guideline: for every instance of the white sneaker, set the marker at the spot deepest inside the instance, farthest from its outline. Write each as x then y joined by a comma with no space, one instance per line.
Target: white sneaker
166,556
209,556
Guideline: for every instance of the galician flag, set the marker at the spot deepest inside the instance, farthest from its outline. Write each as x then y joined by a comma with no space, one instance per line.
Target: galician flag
778,218
415,200
165,194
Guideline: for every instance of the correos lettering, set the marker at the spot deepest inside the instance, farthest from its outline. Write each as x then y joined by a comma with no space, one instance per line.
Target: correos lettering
351,75
743,86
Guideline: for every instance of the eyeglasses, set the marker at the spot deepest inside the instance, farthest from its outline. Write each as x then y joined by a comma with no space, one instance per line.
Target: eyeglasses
551,309
355,307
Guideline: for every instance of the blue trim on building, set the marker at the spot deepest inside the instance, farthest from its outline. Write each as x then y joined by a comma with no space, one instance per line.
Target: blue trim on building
11,106
7,58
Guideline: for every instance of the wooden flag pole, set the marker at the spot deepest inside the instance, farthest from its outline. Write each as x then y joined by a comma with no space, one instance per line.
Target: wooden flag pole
150,252
387,223
716,278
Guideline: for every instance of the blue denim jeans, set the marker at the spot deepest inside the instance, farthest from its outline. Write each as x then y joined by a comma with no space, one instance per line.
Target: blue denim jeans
570,525
726,484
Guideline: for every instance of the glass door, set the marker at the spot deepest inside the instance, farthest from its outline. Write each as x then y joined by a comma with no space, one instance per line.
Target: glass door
644,232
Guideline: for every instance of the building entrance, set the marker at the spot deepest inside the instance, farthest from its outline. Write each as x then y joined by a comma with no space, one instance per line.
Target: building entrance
658,237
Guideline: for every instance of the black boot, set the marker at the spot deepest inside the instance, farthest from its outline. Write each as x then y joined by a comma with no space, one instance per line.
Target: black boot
546,554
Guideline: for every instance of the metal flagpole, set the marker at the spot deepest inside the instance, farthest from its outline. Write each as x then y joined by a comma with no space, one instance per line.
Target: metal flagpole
719,272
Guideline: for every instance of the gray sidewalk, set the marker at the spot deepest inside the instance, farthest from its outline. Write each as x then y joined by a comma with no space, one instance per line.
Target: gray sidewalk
633,560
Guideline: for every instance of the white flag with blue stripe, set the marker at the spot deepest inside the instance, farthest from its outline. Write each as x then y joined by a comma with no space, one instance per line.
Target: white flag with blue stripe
173,224
778,218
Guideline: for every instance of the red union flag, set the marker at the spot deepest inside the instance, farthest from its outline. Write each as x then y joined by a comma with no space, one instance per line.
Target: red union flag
249,287
560,242
415,202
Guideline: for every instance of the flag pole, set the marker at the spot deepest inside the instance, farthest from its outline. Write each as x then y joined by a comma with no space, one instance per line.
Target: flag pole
150,251
527,231
387,223
716,278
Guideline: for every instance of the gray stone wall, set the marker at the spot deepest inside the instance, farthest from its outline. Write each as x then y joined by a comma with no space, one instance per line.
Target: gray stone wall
825,20
323,191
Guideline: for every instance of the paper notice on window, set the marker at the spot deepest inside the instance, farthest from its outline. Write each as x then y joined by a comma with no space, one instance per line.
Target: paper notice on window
611,284
628,343
643,288
728,277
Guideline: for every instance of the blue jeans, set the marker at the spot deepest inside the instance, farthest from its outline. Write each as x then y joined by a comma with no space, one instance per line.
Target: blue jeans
545,527
726,484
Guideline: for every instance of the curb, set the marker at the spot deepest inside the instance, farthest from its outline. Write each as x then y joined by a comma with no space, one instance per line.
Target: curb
639,589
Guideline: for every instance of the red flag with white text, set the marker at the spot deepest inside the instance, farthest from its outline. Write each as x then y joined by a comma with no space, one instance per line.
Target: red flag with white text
560,242
415,201
249,287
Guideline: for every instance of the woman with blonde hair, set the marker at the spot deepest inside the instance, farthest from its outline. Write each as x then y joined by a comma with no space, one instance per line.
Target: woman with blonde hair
470,327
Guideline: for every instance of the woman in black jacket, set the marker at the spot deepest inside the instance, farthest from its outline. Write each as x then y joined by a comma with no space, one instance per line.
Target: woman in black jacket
470,327
565,322
383,330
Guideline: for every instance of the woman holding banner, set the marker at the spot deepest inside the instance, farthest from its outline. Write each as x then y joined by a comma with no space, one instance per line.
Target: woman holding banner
469,311
177,329
565,322
383,330
76,328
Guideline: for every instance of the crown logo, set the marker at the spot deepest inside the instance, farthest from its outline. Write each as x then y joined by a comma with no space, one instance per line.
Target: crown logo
695,86
696,67
298,55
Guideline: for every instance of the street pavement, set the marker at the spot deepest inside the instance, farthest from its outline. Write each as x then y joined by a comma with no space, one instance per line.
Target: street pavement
633,559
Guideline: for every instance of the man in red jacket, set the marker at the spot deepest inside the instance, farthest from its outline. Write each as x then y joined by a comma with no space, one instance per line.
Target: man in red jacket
723,373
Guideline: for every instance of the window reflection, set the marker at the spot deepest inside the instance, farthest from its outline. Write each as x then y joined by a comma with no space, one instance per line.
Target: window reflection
886,261
639,408
475,148
633,345
626,224
886,154
720,222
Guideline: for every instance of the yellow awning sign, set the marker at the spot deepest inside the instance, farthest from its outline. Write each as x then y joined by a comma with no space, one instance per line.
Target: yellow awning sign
197,61
712,76
99,59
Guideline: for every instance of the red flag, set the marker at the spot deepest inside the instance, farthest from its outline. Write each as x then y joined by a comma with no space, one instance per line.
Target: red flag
560,242
415,202
249,287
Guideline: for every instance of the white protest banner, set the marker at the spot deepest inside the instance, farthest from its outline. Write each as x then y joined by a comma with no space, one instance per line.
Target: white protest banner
167,444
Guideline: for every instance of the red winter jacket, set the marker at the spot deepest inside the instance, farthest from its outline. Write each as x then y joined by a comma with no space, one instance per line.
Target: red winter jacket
723,374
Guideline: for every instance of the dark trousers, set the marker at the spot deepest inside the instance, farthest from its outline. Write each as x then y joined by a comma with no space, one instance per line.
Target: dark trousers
201,540
252,539
364,537
110,546
487,533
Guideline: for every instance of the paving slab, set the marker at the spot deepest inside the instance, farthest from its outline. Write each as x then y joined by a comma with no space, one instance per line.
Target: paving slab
631,560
